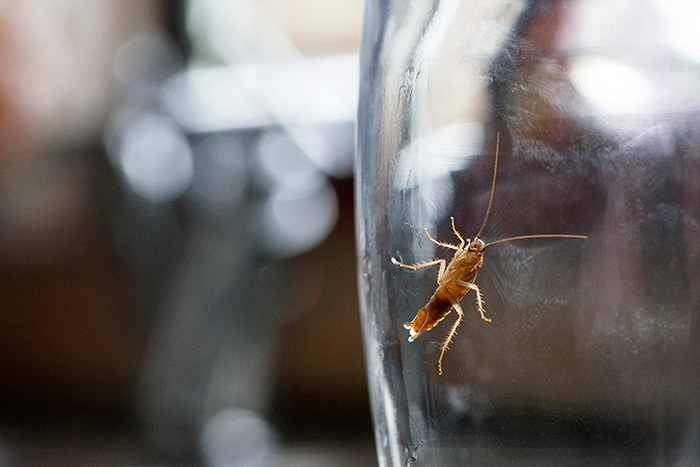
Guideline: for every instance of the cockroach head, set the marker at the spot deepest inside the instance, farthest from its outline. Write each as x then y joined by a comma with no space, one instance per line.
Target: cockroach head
476,245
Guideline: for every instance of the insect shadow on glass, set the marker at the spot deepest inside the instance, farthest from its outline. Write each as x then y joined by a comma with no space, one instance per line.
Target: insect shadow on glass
456,279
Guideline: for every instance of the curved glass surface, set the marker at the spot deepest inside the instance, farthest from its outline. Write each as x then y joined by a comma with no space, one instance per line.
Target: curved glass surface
592,354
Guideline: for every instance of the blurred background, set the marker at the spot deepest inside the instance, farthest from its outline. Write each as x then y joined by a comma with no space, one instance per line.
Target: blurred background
177,265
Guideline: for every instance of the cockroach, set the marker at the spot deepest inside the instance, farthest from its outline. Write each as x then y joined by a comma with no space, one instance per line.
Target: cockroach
456,279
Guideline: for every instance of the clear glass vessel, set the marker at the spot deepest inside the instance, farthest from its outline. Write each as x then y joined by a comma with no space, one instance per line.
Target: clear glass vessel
592,356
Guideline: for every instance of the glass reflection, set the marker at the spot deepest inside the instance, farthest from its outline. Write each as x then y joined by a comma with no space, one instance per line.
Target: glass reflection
590,358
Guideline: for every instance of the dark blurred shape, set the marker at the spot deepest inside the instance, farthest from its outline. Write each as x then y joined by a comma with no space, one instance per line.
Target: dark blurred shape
237,159
70,335
152,287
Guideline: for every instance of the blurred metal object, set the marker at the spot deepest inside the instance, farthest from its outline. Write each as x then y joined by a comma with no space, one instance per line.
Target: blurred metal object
226,184
237,438
307,98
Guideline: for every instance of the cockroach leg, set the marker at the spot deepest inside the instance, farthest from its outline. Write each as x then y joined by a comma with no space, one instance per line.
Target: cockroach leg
479,298
453,331
454,229
416,267
446,245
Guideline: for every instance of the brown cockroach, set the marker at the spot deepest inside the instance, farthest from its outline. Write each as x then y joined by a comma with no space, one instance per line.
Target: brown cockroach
457,278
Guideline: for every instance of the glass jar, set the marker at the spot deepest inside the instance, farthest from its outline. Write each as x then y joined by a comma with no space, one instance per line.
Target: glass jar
592,354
